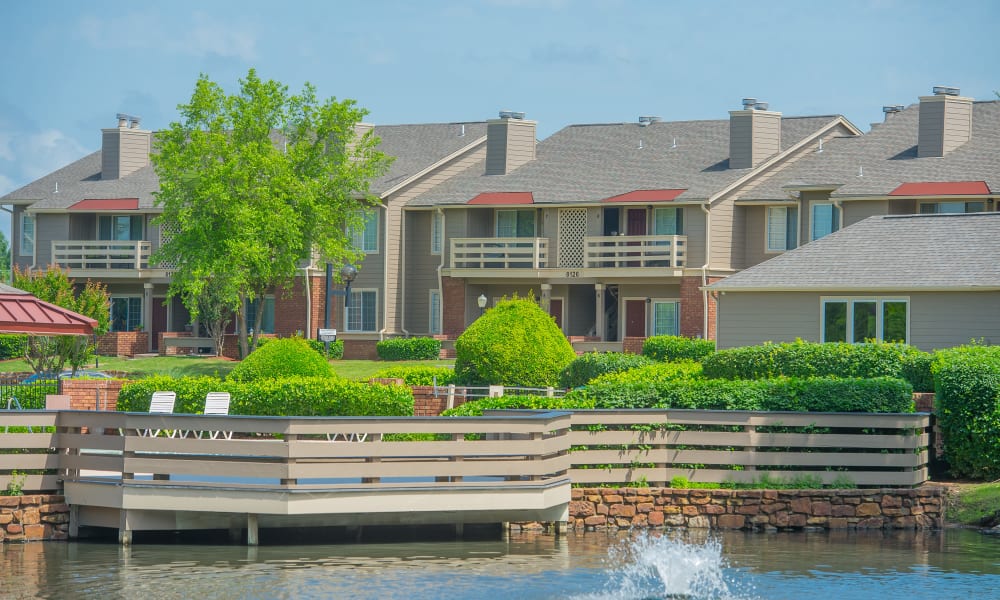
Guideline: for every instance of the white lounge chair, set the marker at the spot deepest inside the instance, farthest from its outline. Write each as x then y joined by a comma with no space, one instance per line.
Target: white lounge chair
162,403
217,403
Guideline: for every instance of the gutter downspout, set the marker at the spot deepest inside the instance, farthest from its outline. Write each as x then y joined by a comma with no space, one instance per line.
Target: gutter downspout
704,268
309,327
402,273
385,271
440,266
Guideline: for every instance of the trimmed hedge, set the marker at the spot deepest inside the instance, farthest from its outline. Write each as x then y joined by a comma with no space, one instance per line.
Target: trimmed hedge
12,346
415,348
967,381
475,408
336,349
594,364
809,359
816,394
283,357
669,348
291,396
417,375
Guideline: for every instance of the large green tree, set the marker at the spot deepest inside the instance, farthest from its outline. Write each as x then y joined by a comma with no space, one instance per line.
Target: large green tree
253,182
4,258
51,353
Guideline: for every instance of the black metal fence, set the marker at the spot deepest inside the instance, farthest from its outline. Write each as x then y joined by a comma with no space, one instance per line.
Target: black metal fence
18,394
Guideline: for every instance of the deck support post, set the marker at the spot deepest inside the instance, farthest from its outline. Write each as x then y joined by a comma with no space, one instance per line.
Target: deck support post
74,521
124,528
459,530
252,533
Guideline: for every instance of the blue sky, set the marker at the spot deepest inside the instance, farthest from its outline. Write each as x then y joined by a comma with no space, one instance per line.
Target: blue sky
67,67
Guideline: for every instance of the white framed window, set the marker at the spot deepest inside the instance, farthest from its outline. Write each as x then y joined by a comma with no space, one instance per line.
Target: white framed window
860,319
782,228
953,207
361,311
437,232
825,219
119,227
515,223
666,317
267,322
434,309
27,247
366,238
668,221
126,313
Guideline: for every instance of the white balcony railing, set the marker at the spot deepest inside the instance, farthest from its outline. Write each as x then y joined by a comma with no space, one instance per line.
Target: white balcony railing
101,254
629,251
499,253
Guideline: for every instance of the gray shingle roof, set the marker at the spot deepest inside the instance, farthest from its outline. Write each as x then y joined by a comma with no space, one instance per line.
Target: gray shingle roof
415,147
888,156
588,163
889,252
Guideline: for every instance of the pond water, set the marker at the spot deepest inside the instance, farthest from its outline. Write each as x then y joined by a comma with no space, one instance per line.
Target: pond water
582,566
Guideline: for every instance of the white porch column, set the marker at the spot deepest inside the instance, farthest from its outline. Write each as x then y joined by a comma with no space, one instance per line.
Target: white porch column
546,299
147,314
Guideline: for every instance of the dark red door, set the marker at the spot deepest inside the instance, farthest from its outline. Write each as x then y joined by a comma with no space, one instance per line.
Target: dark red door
555,309
635,318
636,222
159,321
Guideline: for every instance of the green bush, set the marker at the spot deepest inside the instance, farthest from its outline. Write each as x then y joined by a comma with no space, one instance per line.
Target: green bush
917,370
291,396
475,408
417,375
639,387
515,344
594,364
282,358
415,348
817,394
674,347
29,396
808,359
967,382
12,346
336,349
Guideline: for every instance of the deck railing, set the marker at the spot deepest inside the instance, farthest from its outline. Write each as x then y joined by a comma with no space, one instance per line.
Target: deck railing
101,254
499,253
625,251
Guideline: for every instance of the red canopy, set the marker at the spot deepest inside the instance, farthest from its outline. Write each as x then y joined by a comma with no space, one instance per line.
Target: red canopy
20,312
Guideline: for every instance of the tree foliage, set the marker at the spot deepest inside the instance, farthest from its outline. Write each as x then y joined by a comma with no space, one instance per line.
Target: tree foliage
253,182
4,258
52,353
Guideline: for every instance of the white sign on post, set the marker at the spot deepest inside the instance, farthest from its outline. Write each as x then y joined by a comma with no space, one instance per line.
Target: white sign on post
327,335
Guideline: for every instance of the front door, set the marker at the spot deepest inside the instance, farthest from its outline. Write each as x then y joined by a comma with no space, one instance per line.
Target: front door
556,311
635,318
159,321
636,223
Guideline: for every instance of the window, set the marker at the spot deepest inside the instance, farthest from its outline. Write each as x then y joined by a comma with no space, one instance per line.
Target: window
267,322
27,235
825,219
929,208
668,221
126,313
366,238
434,319
437,232
857,320
666,318
361,311
782,226
516,223
119,227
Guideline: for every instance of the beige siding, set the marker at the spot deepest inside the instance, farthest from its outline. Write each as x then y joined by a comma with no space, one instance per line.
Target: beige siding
510,143
807,199
753,136
750,318
595,218
755,226
943,319
860,210
420,271
22,262
123,151
902,207
49,228
945,124
724,235
109,153
83,227
694,229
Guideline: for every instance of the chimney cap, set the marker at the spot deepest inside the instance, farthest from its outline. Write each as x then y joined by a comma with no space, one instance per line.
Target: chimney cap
760,105
748,103
510,114
131,121
944,90
892,108
645,121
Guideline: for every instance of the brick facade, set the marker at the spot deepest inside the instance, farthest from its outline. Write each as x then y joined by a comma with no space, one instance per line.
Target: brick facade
452,306
123,343
692,308
633,344
290,307
33,518
360,350
92,394
427,404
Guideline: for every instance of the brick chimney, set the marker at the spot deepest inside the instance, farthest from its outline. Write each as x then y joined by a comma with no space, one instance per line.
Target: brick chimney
124,149
510,142
945,122
754,134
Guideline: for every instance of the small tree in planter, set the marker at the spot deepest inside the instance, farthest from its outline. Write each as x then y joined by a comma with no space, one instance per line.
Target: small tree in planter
515,343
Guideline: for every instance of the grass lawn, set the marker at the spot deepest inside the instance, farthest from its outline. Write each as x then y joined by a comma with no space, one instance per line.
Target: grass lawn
180,366
976,504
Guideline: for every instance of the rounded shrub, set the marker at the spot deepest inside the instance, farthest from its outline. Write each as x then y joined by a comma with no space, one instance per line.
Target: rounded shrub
514,343
12,346
594,364
967,386
416,348
282,358
675,347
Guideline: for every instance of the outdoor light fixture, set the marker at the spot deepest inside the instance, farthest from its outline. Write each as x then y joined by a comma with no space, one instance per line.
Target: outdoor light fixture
481,301
347,275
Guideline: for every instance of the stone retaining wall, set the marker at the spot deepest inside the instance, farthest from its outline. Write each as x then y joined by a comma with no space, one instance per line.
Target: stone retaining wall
33,518
622,508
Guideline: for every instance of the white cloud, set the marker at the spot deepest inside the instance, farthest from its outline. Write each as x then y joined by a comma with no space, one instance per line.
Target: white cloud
202,35
25,156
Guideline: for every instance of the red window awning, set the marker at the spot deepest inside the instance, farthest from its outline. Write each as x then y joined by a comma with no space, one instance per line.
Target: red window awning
647,196
20,312
942,188
501,198
107,204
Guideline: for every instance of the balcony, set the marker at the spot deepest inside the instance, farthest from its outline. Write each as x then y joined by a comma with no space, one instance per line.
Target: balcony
102,258
596,256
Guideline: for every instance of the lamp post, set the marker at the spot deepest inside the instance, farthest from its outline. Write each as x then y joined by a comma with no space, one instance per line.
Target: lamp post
347,275
481,301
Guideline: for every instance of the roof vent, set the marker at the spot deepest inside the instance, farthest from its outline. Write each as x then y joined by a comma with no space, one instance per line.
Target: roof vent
760,106
892,108
943,90
130,121
646,121
748,103
510,114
